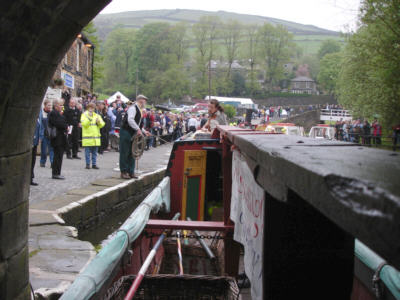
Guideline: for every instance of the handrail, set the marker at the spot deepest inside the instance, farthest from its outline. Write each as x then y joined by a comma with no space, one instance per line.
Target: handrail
388,274
98,271
336,112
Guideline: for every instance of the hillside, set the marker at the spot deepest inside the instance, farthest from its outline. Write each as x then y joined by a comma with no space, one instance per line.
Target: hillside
309,37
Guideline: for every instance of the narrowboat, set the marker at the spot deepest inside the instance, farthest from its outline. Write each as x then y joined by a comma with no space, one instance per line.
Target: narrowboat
284,128
281,205
322,131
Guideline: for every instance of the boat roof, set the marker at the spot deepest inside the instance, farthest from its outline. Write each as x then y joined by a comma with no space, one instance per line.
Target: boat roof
323,125
282,124
242,101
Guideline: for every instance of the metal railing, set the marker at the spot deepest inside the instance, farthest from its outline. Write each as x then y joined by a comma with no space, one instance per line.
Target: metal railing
335,113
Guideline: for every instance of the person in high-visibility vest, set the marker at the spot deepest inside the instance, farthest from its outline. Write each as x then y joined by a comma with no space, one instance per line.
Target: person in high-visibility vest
91,124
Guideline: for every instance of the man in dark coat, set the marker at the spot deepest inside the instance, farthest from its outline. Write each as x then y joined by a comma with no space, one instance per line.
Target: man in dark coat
73,117
59,141
34,150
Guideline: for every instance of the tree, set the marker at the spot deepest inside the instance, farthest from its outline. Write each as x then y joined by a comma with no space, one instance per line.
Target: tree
118,53
275,48
313,63
180,41
252,40
327,47
231,36
229,110
153,49
205,33
369,80
239,84
329,71
160,52
171,84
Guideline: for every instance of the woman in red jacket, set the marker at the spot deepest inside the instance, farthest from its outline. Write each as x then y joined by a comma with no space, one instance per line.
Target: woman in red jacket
377,133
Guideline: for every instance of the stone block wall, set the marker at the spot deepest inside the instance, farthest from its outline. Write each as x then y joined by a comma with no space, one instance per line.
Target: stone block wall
297,101
95,209
35,36
307,119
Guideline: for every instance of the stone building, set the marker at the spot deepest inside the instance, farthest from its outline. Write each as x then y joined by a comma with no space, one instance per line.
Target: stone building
303,85
76,68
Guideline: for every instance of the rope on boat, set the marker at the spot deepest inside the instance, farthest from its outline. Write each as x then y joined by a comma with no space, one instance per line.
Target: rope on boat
136,283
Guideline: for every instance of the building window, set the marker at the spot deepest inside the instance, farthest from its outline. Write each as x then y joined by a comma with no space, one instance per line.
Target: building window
78,50
66,58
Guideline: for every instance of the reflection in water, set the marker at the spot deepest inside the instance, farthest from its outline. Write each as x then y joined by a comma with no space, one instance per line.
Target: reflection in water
104,231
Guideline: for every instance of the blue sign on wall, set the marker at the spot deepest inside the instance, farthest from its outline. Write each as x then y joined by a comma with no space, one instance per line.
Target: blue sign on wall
68,80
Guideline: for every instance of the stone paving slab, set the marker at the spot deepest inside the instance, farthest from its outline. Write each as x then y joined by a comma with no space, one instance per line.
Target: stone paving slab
53,230
56,256
86,191
38,217
56,202
61,242
107,182
61,260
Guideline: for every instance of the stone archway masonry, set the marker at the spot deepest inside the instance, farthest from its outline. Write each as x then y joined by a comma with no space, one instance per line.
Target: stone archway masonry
34,36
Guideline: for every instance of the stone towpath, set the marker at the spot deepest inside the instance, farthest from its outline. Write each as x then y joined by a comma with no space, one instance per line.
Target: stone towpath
55,255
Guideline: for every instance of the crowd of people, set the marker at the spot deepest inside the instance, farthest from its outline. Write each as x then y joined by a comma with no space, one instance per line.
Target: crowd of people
64,125
67,124
363,132
358,131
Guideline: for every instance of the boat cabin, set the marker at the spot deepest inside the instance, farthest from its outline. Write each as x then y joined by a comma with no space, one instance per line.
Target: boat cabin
322,131
285,128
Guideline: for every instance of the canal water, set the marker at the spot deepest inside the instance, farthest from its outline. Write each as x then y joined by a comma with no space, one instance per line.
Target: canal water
104,231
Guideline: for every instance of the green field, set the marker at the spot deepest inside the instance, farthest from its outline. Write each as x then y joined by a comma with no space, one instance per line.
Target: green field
308,37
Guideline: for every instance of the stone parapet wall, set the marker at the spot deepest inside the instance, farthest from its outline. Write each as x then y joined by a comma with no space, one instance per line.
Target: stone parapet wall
297,101
91,210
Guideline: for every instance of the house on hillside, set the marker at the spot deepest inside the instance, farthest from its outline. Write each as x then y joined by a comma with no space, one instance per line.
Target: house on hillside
303,85
76,68
216,65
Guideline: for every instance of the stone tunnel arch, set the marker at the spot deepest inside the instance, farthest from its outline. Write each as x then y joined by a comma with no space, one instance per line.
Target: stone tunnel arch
34,36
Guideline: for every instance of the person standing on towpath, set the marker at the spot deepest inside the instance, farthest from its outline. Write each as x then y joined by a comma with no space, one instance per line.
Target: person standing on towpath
131,125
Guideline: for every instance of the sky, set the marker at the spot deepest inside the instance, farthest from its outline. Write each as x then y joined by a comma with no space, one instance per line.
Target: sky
339,15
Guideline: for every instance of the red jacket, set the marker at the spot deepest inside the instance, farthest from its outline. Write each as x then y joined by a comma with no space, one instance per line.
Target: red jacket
377,129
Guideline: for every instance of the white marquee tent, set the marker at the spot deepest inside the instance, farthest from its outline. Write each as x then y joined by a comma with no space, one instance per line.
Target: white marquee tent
114,97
